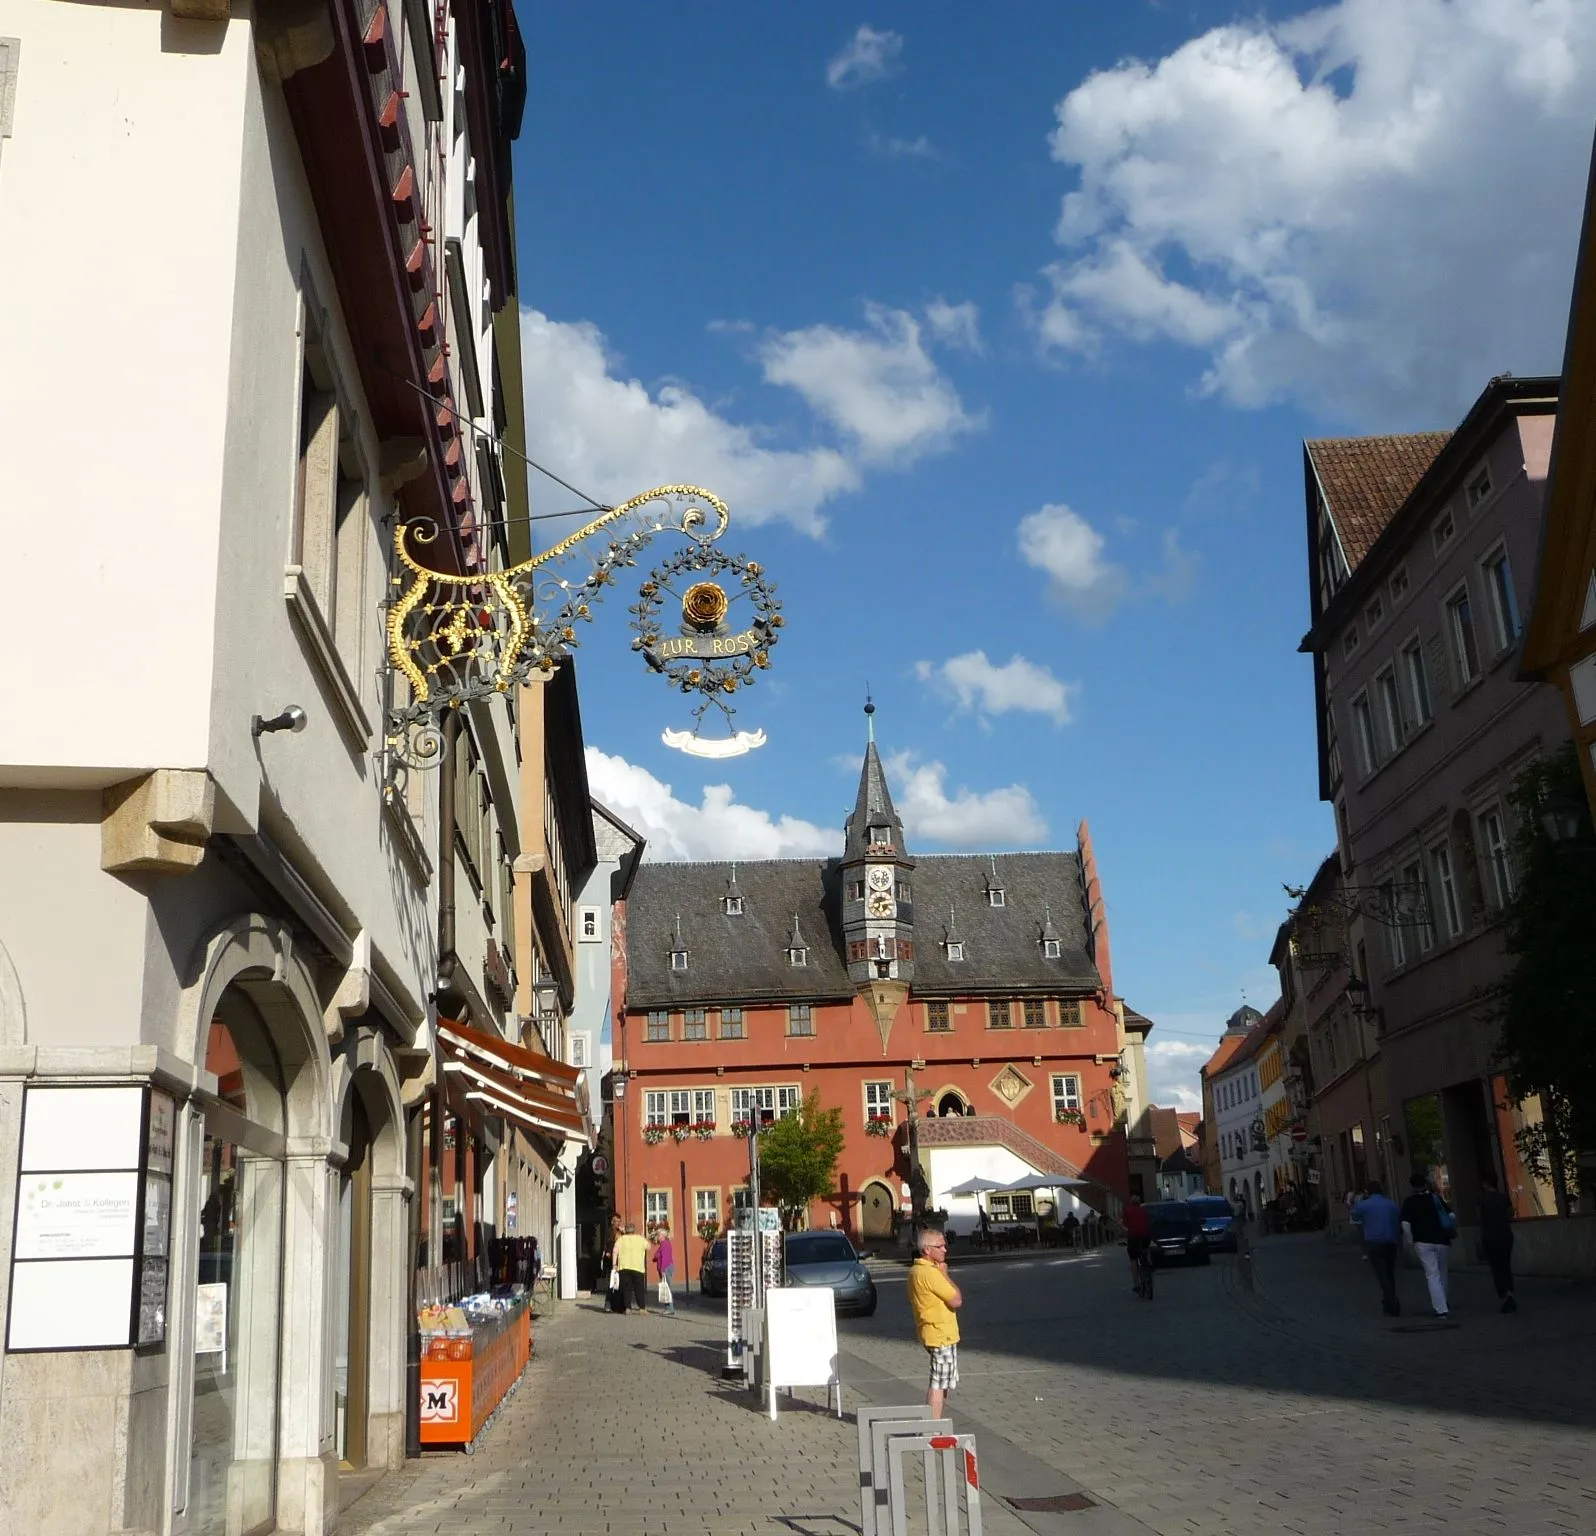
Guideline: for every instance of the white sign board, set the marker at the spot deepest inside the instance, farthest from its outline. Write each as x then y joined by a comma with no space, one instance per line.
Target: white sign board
801,1334
76,1215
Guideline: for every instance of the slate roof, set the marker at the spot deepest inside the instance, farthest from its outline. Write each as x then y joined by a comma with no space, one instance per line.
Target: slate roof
1366,480
872,808
744,958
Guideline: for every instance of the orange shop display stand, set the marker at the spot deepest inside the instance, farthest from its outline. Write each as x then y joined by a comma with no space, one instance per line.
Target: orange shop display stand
464,1379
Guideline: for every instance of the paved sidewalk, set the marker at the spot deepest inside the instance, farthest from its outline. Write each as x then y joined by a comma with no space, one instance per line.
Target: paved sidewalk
621,1426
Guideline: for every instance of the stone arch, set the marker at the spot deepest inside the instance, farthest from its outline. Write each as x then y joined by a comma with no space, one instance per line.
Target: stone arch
366,1067
13,1011
950,1099
256,955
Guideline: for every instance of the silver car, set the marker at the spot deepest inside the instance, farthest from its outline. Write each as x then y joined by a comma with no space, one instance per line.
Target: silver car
828,1258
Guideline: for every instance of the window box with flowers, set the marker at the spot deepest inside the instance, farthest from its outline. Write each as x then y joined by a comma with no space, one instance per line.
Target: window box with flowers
709,1230
680,1132
878,1125
653,1134
1070,1117
704,1130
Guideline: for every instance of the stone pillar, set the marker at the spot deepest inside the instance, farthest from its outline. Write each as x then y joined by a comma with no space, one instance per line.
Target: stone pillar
391,1259
565,1202
307,1499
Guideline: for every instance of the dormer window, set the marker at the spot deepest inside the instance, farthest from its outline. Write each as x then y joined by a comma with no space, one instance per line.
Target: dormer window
994,896
955,949
678,959
797,955
1050,949
733,905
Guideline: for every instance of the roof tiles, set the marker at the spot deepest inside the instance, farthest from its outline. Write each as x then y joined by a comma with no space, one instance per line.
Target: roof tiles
1367,479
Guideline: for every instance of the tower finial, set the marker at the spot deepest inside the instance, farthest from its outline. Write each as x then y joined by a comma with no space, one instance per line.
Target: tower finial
870,714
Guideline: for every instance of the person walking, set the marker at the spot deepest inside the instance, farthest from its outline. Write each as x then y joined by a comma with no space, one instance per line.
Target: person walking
934,1298
631,1259
1380,1218
614,1296
665,1263
1430,1224
1496,1238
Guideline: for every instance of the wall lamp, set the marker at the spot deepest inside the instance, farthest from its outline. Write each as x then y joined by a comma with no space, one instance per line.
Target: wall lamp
293,719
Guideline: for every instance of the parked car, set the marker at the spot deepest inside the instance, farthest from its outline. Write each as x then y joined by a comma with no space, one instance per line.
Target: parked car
712,1272
828,1258
1177,1233
1219,1222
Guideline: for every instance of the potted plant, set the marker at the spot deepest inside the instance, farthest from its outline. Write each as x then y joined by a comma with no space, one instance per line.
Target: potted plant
704,1130
878,1125
1071,1117
653,1134
679,1133
709,1230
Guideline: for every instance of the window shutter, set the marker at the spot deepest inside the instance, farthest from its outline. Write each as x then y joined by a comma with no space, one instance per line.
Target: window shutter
1440,667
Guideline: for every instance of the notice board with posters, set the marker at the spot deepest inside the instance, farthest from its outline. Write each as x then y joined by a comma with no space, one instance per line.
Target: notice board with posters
93,1218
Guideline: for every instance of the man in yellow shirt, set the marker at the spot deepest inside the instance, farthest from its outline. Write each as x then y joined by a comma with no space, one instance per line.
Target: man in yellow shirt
933,1298
631,1258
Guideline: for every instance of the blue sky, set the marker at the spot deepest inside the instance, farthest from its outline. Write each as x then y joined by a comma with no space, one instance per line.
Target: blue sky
1000,328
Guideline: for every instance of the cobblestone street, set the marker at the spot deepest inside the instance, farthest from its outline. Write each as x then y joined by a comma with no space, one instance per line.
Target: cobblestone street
1293,1407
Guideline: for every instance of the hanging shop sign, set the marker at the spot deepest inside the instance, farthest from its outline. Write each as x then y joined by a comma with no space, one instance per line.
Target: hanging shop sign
93,1218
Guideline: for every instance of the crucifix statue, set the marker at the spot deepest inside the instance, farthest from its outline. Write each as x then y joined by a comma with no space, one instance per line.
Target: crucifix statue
911,1100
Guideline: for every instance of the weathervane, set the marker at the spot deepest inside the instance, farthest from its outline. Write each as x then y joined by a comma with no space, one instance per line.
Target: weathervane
453,638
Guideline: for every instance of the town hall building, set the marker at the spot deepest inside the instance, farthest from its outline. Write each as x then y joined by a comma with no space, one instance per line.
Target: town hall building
979,989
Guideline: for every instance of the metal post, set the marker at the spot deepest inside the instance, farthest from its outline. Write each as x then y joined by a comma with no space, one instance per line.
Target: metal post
687,1268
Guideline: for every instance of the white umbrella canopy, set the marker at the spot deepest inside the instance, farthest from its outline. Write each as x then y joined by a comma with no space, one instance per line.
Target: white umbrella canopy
977,1186
1035,1181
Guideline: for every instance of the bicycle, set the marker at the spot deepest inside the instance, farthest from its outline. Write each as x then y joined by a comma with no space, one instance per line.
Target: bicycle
1144,1273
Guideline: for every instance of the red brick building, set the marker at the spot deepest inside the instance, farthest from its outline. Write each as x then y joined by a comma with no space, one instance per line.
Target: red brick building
984,981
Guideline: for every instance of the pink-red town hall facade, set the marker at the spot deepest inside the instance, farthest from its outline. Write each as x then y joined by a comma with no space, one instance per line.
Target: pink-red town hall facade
986,980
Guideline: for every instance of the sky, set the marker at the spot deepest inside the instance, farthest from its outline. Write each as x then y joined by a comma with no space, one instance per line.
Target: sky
1000,328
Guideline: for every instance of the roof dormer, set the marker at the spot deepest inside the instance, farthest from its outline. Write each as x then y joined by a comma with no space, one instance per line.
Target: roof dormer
797,949
731,901
996,896
1052,944
678,950
952,941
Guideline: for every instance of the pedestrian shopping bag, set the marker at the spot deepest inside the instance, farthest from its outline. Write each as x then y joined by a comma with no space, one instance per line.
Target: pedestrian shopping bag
664,1293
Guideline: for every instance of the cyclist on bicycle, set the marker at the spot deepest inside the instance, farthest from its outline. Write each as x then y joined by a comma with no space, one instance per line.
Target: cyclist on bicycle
1138,1234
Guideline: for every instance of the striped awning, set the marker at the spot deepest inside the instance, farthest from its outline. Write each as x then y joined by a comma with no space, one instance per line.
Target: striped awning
537,1092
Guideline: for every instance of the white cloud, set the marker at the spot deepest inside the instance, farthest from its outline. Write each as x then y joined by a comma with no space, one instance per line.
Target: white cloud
1173,1068
955,325
1066,546
867,56
1370,209
1061,542
999,818
920,148
614,437
879,387
716,828
1018,684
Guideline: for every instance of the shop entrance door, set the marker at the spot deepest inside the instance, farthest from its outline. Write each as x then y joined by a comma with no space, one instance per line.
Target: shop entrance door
875,1219
232,1473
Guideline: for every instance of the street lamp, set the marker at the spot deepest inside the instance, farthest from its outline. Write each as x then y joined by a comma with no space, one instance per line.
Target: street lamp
1563,819
546,997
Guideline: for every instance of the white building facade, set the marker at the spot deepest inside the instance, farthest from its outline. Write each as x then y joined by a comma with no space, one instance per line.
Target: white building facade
1238,1113
219,924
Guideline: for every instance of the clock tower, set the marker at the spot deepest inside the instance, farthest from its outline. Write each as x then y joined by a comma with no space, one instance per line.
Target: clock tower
877,894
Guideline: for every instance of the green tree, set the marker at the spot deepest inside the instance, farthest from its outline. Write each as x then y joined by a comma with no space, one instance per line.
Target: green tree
798,1157
1546,1004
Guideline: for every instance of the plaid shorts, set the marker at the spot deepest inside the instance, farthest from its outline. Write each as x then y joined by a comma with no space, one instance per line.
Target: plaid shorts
944,1366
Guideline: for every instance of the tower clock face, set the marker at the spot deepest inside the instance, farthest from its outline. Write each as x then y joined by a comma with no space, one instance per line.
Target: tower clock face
881,904
879,878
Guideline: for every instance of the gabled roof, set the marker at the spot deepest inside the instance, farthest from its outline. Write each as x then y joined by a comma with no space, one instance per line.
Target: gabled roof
1138,1022
1365,480
746,957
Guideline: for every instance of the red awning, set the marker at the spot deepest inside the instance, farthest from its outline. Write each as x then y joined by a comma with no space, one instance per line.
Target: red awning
509,1080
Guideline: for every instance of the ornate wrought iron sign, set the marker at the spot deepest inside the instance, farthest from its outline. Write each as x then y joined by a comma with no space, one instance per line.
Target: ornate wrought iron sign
456,638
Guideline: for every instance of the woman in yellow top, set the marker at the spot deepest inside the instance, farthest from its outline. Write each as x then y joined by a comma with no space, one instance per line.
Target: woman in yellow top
631,1259
933,1298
